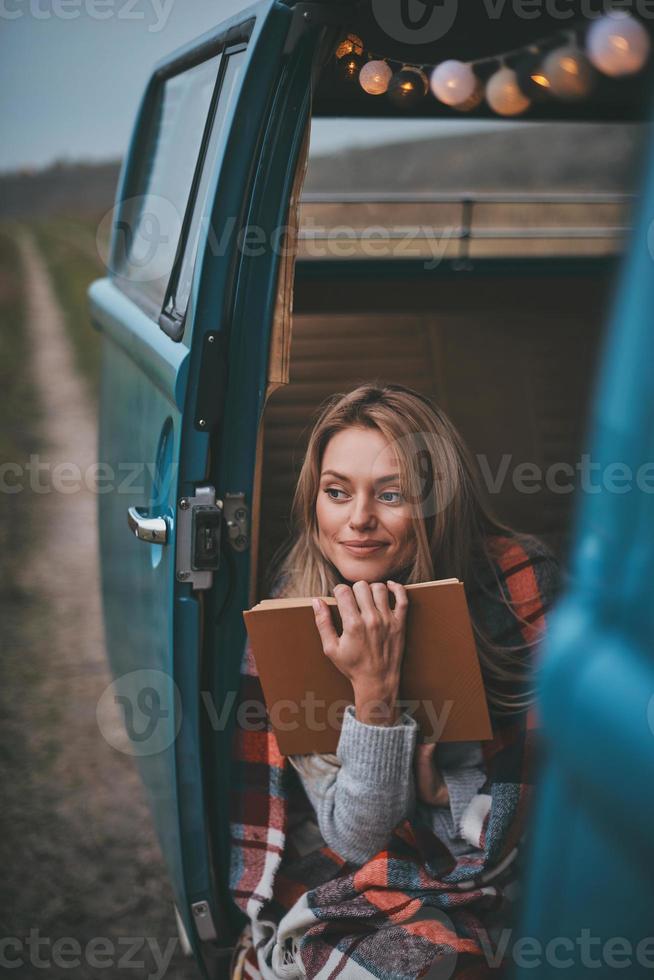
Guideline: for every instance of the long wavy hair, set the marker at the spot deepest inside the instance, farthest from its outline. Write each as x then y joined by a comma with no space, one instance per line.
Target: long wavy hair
453,524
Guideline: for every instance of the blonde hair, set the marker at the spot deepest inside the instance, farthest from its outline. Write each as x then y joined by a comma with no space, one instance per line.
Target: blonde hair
452,522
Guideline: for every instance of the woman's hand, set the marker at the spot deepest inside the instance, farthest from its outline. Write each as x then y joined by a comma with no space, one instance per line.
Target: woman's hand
430,785
369,651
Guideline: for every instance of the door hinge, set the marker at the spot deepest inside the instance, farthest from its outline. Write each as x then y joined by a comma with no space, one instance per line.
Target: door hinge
212,382
203,919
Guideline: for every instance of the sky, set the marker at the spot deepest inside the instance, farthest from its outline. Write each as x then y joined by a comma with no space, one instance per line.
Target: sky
72,73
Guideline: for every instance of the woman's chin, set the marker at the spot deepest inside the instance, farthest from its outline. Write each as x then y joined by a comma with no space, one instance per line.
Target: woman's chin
367,570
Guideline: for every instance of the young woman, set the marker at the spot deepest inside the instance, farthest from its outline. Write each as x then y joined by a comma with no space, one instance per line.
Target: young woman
388,495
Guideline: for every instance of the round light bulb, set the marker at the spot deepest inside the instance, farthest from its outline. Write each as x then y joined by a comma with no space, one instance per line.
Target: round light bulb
532,80
375,77
475,100
503,93
569,72
408,87
618,44
349,45
348,68
453,82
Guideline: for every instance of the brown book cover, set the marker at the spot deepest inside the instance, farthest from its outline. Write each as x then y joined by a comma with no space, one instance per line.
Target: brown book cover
306,694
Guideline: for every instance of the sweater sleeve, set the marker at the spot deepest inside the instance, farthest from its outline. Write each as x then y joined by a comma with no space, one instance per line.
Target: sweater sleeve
359,801
462,767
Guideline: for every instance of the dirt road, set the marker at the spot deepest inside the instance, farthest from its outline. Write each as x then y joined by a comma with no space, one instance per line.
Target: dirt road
86,876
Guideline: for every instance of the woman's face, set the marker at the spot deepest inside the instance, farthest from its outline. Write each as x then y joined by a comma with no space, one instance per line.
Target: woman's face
359,502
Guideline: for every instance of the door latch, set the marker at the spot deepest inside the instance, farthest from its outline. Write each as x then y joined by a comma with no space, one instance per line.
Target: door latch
199,533
199,527
236,519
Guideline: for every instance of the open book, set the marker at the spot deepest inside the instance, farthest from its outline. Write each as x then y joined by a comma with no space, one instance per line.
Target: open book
306,694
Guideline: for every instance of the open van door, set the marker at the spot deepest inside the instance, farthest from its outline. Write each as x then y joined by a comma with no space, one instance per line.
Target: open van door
589,903
185,315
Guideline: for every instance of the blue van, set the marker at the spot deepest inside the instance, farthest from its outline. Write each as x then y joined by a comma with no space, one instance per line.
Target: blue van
249,278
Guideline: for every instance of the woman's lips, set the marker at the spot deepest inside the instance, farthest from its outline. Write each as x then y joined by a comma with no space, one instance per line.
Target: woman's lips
357,549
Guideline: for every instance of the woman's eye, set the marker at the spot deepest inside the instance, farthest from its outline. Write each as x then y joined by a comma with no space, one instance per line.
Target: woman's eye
330,490
395,494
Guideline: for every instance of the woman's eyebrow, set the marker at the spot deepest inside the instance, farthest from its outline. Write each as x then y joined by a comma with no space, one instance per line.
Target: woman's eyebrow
346,479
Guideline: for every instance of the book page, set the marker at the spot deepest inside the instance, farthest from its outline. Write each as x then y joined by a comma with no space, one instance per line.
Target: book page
293,601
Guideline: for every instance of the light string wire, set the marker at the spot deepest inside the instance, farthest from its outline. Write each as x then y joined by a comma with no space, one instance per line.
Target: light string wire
570,33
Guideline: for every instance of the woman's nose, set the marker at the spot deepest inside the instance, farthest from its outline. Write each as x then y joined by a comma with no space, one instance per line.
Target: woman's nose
362,513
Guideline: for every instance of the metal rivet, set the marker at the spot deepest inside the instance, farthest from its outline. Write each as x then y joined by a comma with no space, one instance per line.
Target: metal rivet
182,576
183,504
211,338
201,423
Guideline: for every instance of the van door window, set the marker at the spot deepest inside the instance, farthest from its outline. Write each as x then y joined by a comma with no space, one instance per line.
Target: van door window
199,221
171,159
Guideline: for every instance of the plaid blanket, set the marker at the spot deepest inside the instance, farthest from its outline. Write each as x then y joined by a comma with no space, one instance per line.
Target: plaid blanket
412,910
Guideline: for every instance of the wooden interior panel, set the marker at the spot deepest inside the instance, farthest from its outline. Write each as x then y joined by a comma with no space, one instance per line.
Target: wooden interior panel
511,361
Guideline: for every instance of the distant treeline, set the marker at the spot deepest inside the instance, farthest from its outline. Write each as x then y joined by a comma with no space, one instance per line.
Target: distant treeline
78,188
570,157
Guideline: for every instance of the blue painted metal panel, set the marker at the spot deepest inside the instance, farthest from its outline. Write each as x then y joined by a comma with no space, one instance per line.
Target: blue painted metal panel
590,886
149,394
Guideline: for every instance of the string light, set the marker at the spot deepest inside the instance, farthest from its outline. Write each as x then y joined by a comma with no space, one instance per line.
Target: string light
349,67
618,44
473,101
532,80
375,77
349,58
453,82
408,86
349,45
569,72
557,67
503,93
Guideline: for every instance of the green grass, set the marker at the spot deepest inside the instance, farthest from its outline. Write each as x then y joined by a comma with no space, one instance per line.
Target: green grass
70,249
20,412
24,617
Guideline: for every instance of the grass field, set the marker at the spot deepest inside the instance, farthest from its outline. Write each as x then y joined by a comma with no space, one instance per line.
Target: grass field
24,615
69,247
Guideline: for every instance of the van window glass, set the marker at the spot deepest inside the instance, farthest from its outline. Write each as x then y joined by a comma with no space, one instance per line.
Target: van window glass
199,225
441,189
172,156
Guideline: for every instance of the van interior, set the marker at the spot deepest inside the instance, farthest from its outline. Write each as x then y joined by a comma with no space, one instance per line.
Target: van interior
473,262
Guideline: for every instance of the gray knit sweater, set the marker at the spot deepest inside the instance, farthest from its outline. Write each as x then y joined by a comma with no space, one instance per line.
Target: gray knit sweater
359,802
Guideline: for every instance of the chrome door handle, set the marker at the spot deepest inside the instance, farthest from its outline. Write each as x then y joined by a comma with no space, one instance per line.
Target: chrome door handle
152,529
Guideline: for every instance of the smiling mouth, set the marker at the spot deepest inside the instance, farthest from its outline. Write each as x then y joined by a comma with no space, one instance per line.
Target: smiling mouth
363,549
